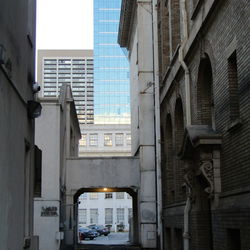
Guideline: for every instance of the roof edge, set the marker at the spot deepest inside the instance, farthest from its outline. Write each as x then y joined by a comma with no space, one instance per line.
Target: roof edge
127,9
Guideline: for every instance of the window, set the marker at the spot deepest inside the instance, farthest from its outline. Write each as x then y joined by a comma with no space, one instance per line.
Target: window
82,214
119,139
83,196
108,140
233,86
128,139
94,216
233,239
38,173
120,215
93,139
108,215
108,195
120,195
93,196
83,141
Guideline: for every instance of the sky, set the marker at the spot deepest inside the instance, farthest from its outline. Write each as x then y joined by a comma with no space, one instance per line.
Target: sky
64,24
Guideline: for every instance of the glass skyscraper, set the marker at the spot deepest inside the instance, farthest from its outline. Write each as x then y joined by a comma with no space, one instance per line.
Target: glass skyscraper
111,67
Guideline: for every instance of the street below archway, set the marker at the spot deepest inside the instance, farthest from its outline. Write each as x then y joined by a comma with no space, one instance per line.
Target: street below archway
111,239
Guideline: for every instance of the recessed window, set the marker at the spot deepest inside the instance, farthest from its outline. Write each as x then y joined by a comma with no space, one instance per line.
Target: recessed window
108,215
120,215
83,141
93,196
128,139
82,215
108,195
233,86
119,138
94,216
108,140
93,139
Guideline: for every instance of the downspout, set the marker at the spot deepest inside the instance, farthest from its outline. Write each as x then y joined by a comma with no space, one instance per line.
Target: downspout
157,124
187,209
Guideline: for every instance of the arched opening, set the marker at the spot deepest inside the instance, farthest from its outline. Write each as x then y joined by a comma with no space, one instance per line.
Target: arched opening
205,104
179,168
110,213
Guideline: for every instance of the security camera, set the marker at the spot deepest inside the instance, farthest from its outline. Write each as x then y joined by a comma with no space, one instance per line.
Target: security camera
35,87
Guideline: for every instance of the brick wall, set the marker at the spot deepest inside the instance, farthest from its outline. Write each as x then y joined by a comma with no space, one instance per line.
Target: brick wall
227,30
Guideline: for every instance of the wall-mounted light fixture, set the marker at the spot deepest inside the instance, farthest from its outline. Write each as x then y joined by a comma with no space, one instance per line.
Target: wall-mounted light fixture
34,109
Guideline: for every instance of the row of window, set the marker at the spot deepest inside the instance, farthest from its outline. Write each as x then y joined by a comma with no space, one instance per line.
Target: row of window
109,139
94,214
108,195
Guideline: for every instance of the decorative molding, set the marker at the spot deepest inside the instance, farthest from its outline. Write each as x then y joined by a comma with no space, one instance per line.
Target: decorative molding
207,171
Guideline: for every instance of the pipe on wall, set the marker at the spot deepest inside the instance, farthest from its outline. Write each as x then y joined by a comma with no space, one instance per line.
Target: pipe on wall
157,124
187,209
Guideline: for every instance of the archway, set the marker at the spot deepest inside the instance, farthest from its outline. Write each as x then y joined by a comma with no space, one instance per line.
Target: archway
115,208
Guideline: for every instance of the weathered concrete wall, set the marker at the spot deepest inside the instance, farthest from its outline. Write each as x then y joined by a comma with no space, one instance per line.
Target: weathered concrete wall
138,36
16,130
116,172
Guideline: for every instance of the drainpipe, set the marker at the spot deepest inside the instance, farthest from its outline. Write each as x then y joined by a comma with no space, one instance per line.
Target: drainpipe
187,209
157,124
183,64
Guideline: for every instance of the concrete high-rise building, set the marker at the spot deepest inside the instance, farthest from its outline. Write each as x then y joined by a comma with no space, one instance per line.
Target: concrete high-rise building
58,67
111,69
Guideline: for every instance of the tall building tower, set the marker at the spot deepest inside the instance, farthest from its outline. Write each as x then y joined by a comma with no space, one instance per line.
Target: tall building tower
58,67
111,68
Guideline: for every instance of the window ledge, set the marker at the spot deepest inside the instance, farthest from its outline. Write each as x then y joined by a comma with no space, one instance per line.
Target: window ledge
237,123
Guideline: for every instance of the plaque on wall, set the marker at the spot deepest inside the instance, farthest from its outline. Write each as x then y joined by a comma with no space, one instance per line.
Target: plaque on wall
49,211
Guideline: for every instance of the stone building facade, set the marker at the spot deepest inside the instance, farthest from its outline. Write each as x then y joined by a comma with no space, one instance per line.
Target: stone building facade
199,52
204,95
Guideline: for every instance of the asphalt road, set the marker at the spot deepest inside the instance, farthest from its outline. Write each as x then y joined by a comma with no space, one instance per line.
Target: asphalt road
111,239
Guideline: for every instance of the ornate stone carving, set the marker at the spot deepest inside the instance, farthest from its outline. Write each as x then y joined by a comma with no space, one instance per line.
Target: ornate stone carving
207,171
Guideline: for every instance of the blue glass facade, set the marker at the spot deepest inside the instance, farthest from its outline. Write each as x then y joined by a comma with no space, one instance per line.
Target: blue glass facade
111,67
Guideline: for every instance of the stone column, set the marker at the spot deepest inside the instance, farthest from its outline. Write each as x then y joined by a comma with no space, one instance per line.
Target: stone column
147,195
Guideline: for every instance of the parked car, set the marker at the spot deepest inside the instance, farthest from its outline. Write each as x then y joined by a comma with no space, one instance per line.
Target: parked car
100,229
86,233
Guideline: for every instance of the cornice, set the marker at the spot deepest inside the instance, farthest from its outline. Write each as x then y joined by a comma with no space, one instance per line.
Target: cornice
126,19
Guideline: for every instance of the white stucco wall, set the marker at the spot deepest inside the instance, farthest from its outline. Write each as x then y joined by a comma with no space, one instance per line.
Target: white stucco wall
48,139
